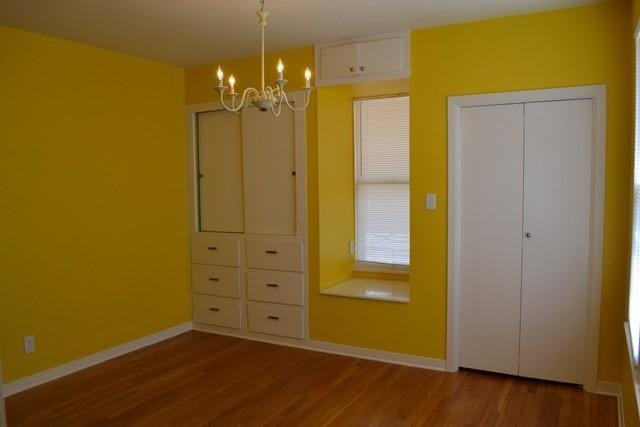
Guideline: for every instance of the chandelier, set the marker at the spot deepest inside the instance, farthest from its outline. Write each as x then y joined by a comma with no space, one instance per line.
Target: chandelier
268,97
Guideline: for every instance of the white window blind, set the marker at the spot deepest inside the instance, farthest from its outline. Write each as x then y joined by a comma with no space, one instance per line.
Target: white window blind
382,180
634,291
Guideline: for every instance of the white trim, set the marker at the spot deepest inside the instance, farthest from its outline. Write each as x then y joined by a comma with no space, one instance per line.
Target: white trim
93,359
596,93
612,389
332,348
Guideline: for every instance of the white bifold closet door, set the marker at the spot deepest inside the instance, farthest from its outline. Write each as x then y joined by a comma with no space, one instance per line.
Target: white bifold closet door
491,232
526,186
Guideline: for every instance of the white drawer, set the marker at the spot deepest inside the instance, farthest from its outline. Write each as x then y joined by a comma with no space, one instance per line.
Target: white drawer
215,280
215,249
217,311
274,254
276,319
276,286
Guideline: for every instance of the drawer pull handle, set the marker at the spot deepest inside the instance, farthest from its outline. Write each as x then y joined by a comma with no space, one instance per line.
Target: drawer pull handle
272,285
273,317
271,252
213,309
212,248
214,279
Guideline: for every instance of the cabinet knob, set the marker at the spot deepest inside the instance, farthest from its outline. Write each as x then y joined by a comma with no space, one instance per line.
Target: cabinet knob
362,68
528,235
352,69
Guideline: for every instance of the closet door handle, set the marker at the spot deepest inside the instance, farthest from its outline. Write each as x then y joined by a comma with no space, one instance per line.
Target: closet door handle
352,69
362,68
271,252
273,317
272,285
528,235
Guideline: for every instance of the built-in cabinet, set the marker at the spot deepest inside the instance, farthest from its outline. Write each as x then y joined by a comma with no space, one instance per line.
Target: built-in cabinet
248,240
372,58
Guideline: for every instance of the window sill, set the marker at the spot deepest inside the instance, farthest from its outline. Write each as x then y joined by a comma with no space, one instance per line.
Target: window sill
373,289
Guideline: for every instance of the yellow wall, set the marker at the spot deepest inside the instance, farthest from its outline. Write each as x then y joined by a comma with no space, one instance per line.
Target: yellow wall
561,48
93,197
335,183
629,399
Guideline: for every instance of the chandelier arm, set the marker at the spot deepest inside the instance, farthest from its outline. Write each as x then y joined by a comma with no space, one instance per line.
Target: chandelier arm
246,94
307,97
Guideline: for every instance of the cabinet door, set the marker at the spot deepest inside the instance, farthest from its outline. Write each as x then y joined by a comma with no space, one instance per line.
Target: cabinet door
555,270
380,56
338,61
491,237
269,171
220,171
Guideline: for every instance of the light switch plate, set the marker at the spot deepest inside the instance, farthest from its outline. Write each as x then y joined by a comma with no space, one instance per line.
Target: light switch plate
430,201
29,344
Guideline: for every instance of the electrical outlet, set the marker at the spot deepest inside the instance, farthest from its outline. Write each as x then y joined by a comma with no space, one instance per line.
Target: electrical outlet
352,248
29,344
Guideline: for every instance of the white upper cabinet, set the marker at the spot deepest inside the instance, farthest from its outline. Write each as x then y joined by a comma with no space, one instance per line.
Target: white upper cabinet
339,61
372,58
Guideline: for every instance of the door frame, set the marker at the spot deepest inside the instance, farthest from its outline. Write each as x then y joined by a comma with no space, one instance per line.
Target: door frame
596,93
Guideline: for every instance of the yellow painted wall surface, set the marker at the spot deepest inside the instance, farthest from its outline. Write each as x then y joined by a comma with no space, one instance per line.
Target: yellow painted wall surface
629,398
335,183
93,200
562,48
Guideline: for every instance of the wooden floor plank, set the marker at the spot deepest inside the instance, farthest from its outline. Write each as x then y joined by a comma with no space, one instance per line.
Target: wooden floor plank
199,379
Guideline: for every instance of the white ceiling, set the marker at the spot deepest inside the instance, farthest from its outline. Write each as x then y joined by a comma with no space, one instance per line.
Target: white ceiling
194,32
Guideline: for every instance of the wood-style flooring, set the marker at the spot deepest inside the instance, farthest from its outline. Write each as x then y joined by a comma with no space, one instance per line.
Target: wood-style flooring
203,379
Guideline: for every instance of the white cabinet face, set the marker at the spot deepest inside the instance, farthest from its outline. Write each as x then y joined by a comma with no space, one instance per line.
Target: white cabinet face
380,56
338,61
269,172
220,171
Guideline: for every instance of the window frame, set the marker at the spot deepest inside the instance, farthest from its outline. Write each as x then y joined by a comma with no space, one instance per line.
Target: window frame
368,266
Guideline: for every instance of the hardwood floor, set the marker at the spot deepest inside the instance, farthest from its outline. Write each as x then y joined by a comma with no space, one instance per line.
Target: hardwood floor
202,379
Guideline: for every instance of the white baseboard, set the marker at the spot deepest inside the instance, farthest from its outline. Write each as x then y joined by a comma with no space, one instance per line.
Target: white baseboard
93,359
613,389
378,355
327,347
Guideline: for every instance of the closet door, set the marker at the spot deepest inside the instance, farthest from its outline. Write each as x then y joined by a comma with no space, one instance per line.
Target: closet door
557,194
269,170
220,171
491,237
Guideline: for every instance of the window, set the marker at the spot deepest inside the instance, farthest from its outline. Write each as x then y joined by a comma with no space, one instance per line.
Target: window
382,183
634,291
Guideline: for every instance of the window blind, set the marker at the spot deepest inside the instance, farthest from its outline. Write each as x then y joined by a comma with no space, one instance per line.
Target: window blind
382,180
634,291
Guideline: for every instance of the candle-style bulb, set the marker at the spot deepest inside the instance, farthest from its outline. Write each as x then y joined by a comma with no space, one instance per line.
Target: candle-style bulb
280,68
307,77
232,82
220,74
